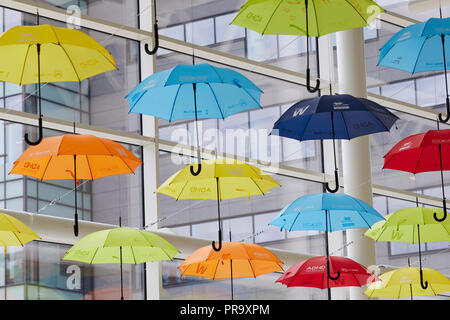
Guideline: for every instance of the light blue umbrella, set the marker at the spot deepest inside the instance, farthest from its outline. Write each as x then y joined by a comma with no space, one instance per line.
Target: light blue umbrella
421,47
194,92
326,212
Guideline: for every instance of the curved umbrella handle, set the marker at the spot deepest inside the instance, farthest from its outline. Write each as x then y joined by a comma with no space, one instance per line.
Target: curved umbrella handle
333,278
445,120
423,284
336,179
199,169
220,242
444,204
308,82
34,143
155,32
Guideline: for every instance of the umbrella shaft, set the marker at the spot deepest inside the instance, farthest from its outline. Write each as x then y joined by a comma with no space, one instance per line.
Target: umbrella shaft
38,47
121,276
231,277
194,85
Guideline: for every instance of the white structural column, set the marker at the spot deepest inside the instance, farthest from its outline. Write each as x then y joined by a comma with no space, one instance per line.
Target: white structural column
326,58
150,156
355,152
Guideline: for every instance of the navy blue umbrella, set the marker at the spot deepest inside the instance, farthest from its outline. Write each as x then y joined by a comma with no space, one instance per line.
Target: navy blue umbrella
340,116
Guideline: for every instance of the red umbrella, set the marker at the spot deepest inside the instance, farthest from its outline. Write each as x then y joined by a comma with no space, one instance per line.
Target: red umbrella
313,273
423,152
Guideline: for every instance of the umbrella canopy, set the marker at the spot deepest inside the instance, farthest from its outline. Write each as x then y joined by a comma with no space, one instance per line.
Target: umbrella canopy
306,17
401,226
220,179
313,273
194,92
412,225
406,282
65,55
121,245
14,232
73,156
333,117
423,152
235,260
44,53
420,47
326,212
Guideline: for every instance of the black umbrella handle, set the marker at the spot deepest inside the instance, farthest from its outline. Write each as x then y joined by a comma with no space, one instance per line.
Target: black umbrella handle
336,179
155,34
423,284
156,46
40,137
338,274
444,205
219,247
199,169
308,82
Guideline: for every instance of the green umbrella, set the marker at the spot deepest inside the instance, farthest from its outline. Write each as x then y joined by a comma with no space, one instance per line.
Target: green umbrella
121,245
411,225
306,17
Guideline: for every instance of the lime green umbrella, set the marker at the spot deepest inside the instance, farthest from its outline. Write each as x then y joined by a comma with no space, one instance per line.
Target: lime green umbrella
411,225
121,245
306,17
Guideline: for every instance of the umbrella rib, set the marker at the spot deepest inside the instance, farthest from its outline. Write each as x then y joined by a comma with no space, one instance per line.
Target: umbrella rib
89,166
420,51
93,256
356,11
215,270
70,59
345,124
174,100
251,267
257,186
418,160
23,69
179,195
215,98
132,252
45,170
270,19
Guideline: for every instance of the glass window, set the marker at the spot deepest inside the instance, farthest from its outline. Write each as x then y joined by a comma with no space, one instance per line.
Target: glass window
264,232
261,123
199,32
261,48
238,229
226,31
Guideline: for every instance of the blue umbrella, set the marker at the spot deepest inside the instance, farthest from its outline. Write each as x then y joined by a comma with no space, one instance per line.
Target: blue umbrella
421,47
339,116
194,92
326,212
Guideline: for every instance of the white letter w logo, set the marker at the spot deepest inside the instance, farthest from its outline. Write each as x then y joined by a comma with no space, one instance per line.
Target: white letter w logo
300,111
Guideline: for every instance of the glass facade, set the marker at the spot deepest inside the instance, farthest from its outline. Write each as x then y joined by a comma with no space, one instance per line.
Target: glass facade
36,271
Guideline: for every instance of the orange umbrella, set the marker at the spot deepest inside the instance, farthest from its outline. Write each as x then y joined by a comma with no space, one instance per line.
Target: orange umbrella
234,260
73,156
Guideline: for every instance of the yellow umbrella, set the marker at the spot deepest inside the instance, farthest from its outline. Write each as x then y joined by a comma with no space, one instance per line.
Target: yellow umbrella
411,225
406,282
44,53
220,179
14,232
